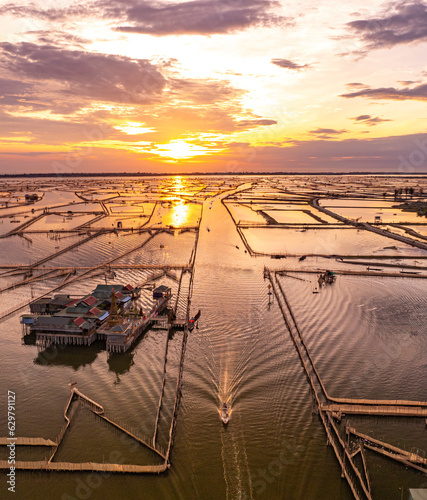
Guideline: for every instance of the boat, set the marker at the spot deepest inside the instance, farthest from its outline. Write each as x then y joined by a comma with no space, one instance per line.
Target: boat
225,417
327,277
193,321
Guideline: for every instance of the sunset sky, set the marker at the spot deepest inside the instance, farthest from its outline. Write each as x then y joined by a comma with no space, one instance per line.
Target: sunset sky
213,85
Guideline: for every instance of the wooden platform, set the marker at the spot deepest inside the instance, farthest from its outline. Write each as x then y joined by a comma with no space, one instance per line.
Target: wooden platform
86,466
391,411
409,459
410,456
27,441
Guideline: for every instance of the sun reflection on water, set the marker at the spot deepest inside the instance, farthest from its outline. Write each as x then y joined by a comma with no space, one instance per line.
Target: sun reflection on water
179,213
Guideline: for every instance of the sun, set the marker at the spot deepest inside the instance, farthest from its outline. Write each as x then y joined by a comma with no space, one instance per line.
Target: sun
179,150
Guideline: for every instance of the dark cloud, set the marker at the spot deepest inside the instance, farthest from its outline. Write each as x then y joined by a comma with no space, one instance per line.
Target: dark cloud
46,77
49,131
55,37
403,23
327,133
200,17
75,77
407,83
369,120
255,123
418,93
19,94
51,14
286,63
13,87
86,75
356,85
203,91
362,118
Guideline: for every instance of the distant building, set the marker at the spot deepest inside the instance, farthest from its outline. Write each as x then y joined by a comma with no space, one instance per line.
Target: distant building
104,291
47,305
162,292
60,329
99,315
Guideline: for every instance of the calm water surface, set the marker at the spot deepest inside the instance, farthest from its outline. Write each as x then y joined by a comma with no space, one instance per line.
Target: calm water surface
368,337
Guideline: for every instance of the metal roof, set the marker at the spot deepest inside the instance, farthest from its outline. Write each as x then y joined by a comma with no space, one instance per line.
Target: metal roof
61,301
119,328
73,302
104,316
77,309
45,300
79,321
90,301
107,289
52,320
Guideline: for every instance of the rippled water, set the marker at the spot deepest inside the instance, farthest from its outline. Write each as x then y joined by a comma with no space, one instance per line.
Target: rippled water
367,335
325,241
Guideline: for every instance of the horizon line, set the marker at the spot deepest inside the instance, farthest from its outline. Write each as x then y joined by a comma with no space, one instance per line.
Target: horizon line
186,174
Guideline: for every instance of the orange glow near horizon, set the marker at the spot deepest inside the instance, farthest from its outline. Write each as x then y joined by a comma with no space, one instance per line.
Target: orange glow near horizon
180,150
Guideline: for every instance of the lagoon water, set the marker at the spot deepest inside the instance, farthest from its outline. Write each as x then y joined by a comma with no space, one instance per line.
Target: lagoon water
368,336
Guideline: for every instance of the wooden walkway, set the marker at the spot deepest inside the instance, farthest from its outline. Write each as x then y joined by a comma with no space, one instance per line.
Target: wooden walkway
349,272
24,225
329,407
133,436
66,249
408,458
85,466
69,411
369,227
413,457
391,411
159,407
24,268
27,441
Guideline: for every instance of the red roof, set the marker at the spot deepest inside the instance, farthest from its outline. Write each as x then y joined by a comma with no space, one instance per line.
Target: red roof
72,302
79,321
95,311
90,301
128,287
119,295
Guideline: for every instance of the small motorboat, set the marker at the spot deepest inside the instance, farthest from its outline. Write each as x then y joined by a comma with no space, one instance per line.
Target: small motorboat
225,417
